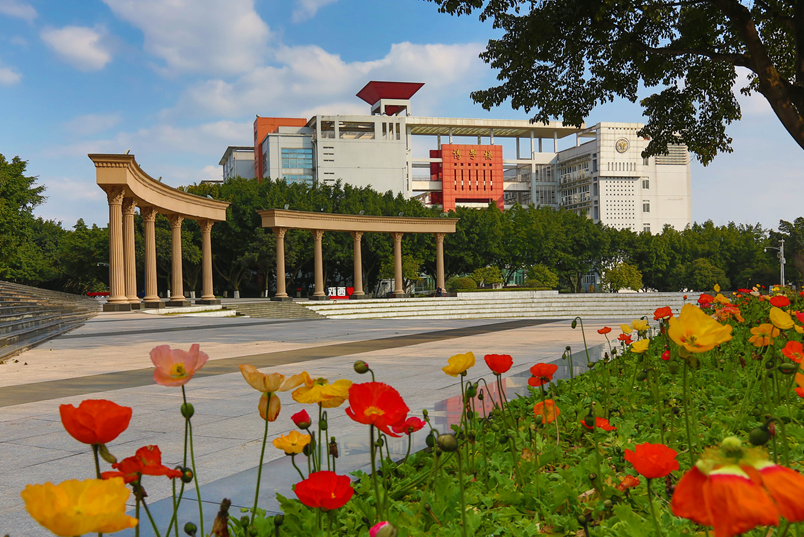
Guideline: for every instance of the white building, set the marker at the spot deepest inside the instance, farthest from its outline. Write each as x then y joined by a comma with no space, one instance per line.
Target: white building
238,161
455,161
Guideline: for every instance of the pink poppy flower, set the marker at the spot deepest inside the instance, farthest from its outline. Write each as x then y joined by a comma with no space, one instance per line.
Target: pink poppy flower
175,367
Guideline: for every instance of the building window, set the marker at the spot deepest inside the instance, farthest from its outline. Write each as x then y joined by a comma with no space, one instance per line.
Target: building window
298,178
645,206
644,161
645,184
646,228
297,158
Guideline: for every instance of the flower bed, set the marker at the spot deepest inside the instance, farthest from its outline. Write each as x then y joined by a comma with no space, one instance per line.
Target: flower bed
689,424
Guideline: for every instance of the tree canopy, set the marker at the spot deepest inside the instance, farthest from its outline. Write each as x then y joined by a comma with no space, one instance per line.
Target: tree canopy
561,58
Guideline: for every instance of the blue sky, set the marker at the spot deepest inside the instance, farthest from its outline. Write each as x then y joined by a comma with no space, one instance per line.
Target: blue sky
176,81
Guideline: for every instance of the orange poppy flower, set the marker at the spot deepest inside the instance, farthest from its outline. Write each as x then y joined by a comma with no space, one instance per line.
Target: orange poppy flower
705,299
146,461
378,404
499,363
627,482
763,335
625,338
175,367
325,490
652,460
542,374
735,490
600,423
95,421
800,392
603,331
662,313
794,350
547,410
780,301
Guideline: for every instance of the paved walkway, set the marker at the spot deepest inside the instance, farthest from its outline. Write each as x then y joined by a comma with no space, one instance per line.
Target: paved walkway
108,358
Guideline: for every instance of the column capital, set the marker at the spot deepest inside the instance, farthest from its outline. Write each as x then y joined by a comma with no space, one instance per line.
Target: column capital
397,236
356,235
318,234
206,225
279,232
115,195
175,220
129,205
148,214
439,237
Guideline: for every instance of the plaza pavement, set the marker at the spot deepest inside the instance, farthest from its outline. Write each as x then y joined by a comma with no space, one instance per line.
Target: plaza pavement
108,358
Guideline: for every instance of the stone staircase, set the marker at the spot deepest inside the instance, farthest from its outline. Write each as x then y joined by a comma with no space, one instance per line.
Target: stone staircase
499,305
30,316
274,310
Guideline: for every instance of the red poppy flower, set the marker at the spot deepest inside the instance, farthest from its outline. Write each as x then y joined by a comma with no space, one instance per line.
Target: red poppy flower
744,291
780,301
666,355
685,297
499,363
662,313
547,410
95,421
705,299
325,489
652,460
601,423
409,426
603,331
794,350
628,482
799,316
801,293
378,404
146,461
302,419
624,338
800,392
542,374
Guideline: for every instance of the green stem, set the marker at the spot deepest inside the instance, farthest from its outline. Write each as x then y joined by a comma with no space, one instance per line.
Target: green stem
259,469
653,511
687,415
376,485
514,430
175,510
153,524
463,499
597,461
410,441
329,523
95,448
195,474
137,515
320,446
293,462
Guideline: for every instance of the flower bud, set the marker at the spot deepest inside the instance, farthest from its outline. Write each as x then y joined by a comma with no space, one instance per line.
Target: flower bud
759,436
642,375
574,323
608,504
187,410
464,373
471,390
383,529
673,367
447,442
495,427
361,367
504,439
323,424
431,439
104,453
252,531
788,368
279,520
333,448
302,420
769,364
581,520
244,520
480,395
306,450
425,413
186,474
538,419
589,420
592,477
190,529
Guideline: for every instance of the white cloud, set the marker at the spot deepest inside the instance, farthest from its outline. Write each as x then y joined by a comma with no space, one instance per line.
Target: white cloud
18,9
8,75
83,48
205,36
92,124
18,41
306,9
750,105
307,79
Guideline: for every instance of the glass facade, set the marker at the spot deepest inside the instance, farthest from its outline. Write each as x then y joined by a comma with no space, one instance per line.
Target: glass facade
297,158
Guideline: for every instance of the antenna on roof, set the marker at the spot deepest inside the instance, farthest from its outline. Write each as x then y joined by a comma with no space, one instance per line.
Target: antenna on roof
210,197
287,206
127,151
362,212
159,178
401,214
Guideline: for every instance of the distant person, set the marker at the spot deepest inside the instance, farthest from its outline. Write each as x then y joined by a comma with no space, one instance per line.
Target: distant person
439,291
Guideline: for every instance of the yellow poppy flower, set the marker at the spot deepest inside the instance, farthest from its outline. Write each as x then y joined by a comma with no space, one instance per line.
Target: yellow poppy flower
292,443
696,331
720,299
716,288
763,335
640,346
626,328
640,325
270,383
799,329
459,363
79,507
269,411
781,319
320,391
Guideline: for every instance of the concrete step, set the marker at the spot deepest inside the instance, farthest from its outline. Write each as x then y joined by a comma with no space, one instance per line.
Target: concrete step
275,310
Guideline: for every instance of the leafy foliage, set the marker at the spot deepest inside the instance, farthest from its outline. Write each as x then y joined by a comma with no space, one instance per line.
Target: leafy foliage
541,276
625,276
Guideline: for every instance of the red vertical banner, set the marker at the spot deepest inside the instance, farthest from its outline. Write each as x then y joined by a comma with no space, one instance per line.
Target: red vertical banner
469,173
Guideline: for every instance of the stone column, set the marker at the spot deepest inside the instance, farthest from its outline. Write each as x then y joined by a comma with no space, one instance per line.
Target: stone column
207,294
319,294
281,292
439,237
358,283
117,279
129,252
152,299
177,284
399,284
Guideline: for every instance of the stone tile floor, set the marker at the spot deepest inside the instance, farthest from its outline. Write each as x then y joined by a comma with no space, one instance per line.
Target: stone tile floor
108,358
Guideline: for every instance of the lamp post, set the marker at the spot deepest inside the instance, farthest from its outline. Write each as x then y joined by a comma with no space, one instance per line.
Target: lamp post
780,255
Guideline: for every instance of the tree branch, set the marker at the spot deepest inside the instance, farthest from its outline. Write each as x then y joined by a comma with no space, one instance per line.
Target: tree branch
734,59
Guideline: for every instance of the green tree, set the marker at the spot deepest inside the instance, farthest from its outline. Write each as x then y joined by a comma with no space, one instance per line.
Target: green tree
563,58
486,276
84,258
410,270
541,276
622,276
701,275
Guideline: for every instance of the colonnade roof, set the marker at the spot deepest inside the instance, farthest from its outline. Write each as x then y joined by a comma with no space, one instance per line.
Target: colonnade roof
504,128
122,171
284,218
